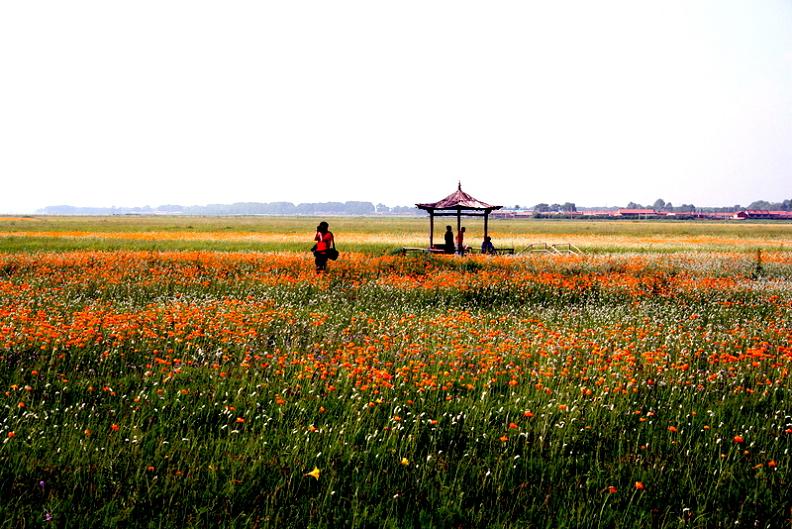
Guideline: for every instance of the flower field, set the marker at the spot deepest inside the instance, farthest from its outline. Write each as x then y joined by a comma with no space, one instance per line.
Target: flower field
200,388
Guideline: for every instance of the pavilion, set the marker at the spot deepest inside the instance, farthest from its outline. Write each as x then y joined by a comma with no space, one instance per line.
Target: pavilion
456,205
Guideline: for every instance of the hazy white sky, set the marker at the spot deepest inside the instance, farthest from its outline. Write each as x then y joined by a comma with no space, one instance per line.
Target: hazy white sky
599,103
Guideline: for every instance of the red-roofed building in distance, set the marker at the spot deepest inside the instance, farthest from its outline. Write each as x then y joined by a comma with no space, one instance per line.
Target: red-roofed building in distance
763,214
639,213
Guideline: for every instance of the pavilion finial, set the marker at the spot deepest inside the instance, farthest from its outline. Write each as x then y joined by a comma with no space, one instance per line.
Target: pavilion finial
459,185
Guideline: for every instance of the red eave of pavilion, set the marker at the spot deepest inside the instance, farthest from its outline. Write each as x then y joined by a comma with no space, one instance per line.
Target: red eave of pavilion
458,200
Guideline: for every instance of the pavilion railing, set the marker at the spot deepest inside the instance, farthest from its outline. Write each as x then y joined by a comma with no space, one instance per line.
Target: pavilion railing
559,248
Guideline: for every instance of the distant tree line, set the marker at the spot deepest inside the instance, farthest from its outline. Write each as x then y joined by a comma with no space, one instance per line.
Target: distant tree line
662,205
566,207
785,205
368,208
241,208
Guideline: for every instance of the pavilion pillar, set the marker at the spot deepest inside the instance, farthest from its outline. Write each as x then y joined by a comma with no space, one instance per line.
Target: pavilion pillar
431,229
486,218
459,219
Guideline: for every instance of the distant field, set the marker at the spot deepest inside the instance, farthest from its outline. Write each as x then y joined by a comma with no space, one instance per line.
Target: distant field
379,235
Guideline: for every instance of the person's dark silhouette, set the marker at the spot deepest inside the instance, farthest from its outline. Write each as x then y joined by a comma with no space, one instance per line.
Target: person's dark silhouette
448,247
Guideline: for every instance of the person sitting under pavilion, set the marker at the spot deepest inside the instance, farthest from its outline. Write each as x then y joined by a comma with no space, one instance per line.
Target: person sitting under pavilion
487,247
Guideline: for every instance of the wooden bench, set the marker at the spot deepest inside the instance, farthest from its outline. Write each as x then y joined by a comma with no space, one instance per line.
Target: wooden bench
499,251
411,249
440,250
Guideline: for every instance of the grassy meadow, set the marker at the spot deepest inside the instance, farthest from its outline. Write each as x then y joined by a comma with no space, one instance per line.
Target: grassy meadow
377,235
196,372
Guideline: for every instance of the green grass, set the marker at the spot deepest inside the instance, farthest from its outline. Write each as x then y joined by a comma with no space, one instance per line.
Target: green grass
554,470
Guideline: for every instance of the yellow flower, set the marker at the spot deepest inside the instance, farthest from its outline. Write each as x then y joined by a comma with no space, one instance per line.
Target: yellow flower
405,461
314,473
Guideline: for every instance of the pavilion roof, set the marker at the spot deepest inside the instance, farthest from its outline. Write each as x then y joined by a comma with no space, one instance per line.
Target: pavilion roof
458,200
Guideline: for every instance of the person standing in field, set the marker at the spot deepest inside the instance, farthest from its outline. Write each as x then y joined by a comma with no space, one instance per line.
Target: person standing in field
448,247
460,241
324,241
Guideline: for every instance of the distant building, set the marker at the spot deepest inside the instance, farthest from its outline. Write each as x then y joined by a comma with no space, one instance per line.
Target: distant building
640,213
763,214
630,213
598,213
